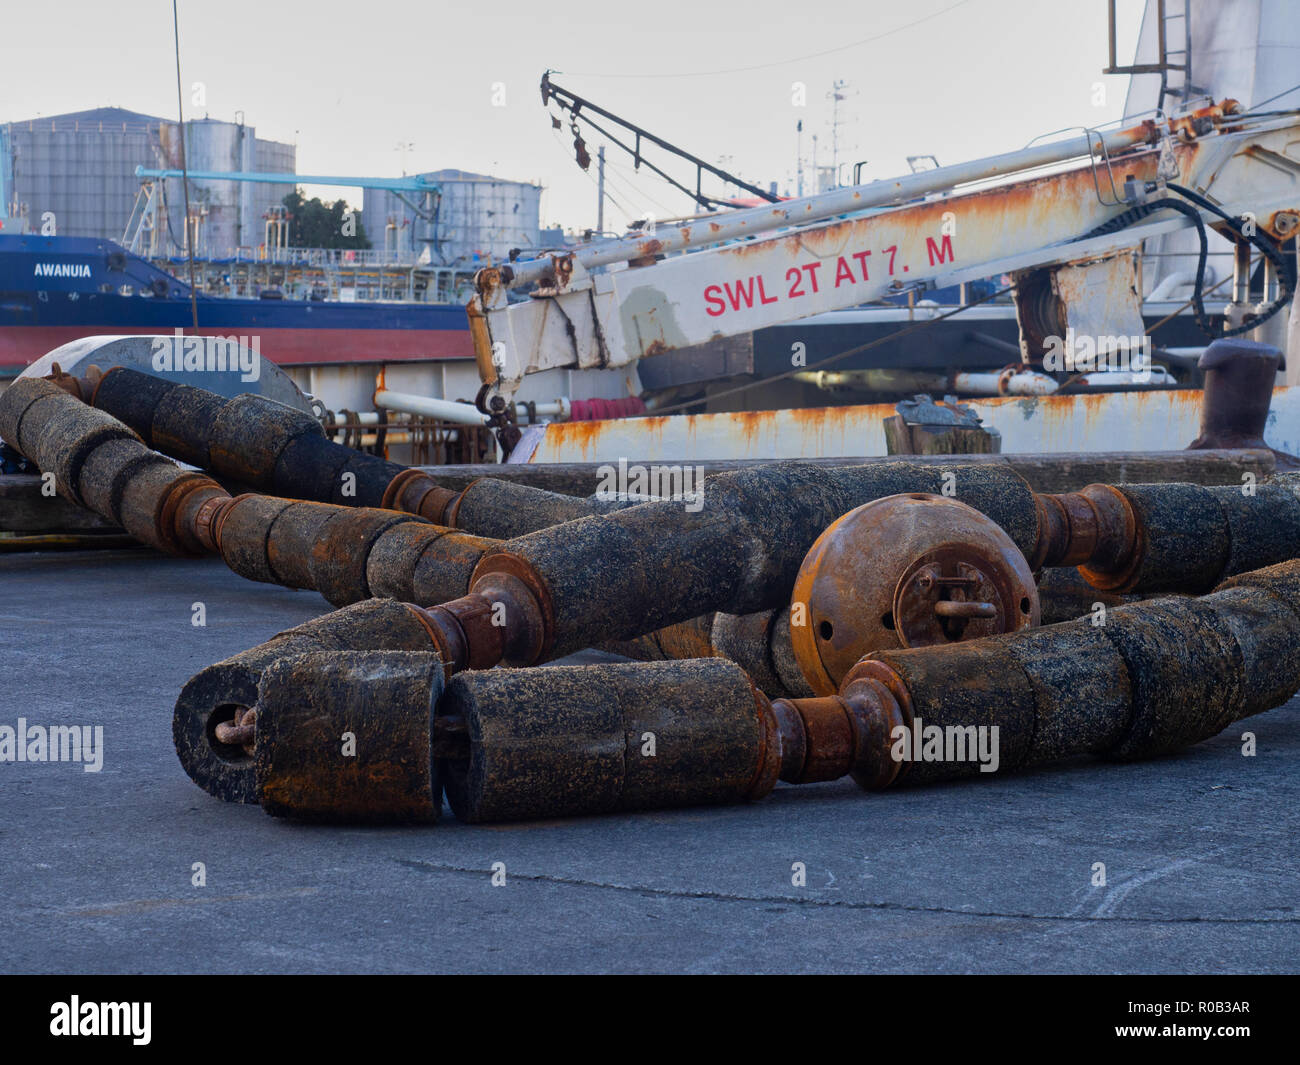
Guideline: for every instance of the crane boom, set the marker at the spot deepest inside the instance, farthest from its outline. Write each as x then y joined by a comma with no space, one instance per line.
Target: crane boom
764,266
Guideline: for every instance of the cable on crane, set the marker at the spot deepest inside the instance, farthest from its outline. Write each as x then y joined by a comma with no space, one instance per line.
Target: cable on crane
1254,108
1284,264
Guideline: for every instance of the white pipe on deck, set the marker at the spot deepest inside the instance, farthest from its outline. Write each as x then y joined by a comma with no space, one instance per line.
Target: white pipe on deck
1156,377
984,383
451,410
446,410
1023,383
991,383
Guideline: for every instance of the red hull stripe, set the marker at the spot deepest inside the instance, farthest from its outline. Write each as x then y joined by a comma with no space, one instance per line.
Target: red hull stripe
20,346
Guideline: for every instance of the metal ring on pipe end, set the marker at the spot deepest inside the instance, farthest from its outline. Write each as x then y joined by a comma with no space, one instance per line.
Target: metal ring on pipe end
535,646
1121,540
451,512
768,768
880,687
415,492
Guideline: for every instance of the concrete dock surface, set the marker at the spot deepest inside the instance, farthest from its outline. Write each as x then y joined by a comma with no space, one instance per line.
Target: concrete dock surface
995,874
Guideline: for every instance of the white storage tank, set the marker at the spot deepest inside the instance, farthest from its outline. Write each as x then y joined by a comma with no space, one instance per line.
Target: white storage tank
480,219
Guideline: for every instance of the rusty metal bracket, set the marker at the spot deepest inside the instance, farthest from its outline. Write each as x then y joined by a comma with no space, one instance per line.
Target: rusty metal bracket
501,418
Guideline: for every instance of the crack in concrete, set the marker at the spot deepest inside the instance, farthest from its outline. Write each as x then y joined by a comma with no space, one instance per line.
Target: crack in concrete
845,904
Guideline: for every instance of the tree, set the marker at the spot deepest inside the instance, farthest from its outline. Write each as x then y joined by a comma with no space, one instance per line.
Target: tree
314,224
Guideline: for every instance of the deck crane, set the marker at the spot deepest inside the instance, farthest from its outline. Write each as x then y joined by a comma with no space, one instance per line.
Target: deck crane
1061,218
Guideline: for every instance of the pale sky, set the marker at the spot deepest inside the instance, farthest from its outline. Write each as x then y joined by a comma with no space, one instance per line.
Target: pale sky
350,82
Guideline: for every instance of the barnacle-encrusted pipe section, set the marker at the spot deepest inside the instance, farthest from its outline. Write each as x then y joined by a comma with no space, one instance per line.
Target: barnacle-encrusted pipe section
1126,540
251,439
99,463
1152,678
759,643
907,570
617,576
352,736
267,445
503,510
344,736
687,639
491,507
304,545
560,741
345,553
1155,677
1134,541
1142,538
211,726
1064,595
595,739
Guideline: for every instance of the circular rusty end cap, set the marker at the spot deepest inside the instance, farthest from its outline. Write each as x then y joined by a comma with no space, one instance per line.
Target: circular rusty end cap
910,570
395,487
537,634
177,539
1121,547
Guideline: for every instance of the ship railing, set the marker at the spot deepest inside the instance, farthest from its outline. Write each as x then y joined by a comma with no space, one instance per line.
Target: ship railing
322,257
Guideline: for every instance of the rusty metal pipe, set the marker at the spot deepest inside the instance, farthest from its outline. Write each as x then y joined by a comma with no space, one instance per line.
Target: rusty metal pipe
222,692
540,596
270,446
759,643
564,741
661,563
503,510
505,744
100,463
1155,677
249,438
346,553
593,739
906,570
345,737
1169,537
